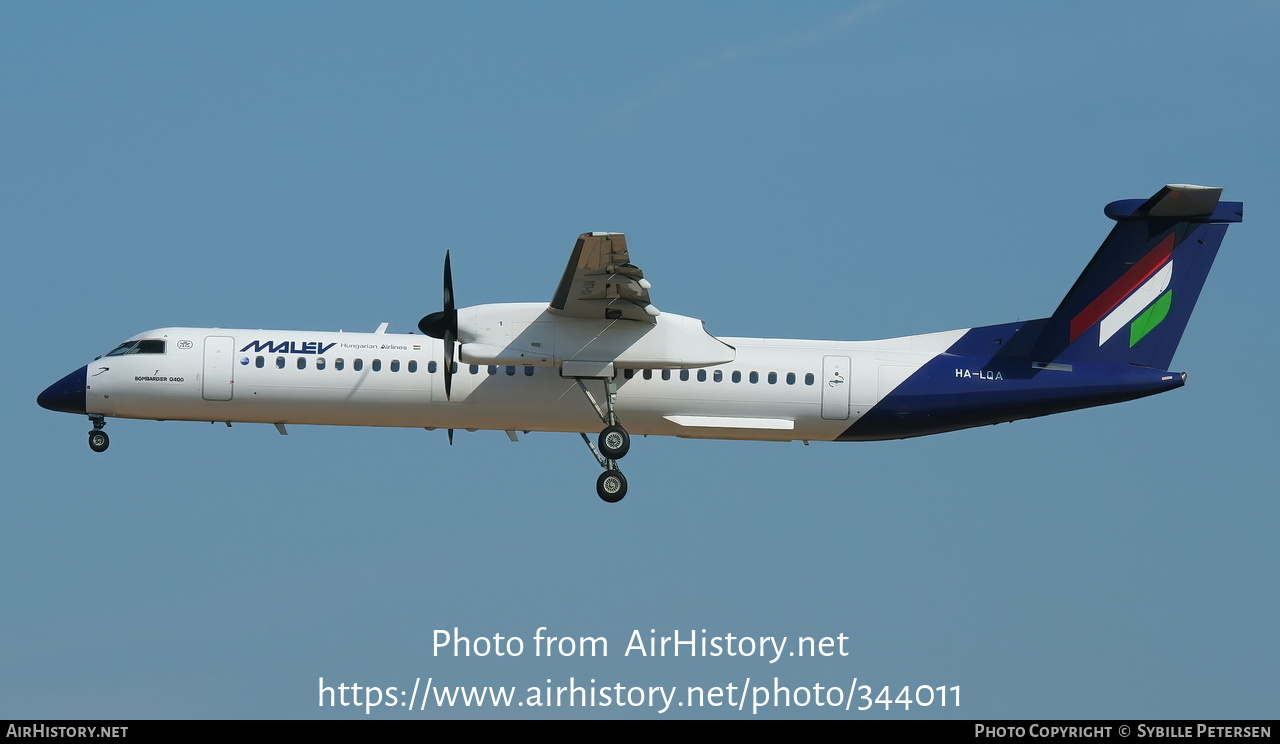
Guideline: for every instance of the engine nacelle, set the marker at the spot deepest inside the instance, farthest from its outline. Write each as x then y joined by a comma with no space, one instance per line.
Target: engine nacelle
519,333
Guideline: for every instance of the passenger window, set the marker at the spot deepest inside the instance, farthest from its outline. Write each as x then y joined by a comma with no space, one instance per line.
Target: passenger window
475,369
395,365
528,371
511,371
684,375
431,367
754,377
338,364
717,376
808,378
791,378
493,369
702,375
302,362
319,362
737,376
773,378
648,374
666,374
357,364
280,362
376,365
259,362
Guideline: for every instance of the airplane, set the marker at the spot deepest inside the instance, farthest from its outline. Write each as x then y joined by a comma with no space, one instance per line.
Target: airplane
523,367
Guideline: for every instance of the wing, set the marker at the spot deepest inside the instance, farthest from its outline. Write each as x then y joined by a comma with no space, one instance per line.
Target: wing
601,283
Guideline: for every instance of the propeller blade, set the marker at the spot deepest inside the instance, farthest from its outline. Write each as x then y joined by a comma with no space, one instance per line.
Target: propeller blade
451,437
449,340
448,288
444,325
441,323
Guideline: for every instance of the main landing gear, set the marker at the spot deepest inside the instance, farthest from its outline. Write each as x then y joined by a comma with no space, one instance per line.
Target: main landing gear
614,442
98,439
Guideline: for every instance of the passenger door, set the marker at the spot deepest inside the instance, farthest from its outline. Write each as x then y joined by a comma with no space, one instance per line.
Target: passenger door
219,367
835,387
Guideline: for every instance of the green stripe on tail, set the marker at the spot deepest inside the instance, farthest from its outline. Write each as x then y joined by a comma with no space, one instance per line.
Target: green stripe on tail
1150,318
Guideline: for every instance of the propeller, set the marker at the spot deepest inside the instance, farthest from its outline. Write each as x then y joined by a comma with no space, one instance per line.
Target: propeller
444,325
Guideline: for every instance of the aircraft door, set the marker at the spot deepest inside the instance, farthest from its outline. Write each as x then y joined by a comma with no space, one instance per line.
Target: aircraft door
219,367
835,387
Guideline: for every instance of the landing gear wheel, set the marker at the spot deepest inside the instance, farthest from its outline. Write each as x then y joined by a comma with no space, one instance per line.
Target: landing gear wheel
614,442
611,486
98,440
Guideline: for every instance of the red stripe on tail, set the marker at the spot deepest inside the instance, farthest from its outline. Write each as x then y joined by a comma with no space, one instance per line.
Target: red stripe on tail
1132,279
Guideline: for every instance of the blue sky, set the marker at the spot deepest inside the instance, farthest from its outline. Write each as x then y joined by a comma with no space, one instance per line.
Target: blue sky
846,170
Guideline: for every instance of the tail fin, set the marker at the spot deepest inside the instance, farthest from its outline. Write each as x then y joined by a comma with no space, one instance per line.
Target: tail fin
1132,303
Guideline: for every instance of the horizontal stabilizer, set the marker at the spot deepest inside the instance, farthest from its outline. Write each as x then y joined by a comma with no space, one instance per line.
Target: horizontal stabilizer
1182,200
1178,201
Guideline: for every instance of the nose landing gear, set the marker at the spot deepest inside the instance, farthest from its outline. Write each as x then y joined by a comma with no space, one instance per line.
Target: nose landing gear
98,439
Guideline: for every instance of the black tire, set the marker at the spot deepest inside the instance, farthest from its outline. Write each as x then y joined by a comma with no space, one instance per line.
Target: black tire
99,441
611,486
614,442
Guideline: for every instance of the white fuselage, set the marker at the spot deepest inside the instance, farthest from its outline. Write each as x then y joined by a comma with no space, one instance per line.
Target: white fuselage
774,389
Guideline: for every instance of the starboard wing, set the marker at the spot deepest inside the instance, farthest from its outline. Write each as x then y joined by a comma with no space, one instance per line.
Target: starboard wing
600,282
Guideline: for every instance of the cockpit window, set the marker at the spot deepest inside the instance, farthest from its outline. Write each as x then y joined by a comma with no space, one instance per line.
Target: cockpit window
147,346
122,349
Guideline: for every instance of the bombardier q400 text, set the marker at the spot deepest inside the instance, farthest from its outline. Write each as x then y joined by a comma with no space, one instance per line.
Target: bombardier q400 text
601,356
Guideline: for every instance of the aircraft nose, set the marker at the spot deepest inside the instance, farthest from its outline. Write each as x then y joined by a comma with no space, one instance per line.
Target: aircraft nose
66,395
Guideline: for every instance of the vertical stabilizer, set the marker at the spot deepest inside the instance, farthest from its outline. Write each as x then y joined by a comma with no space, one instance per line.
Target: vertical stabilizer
1132,302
